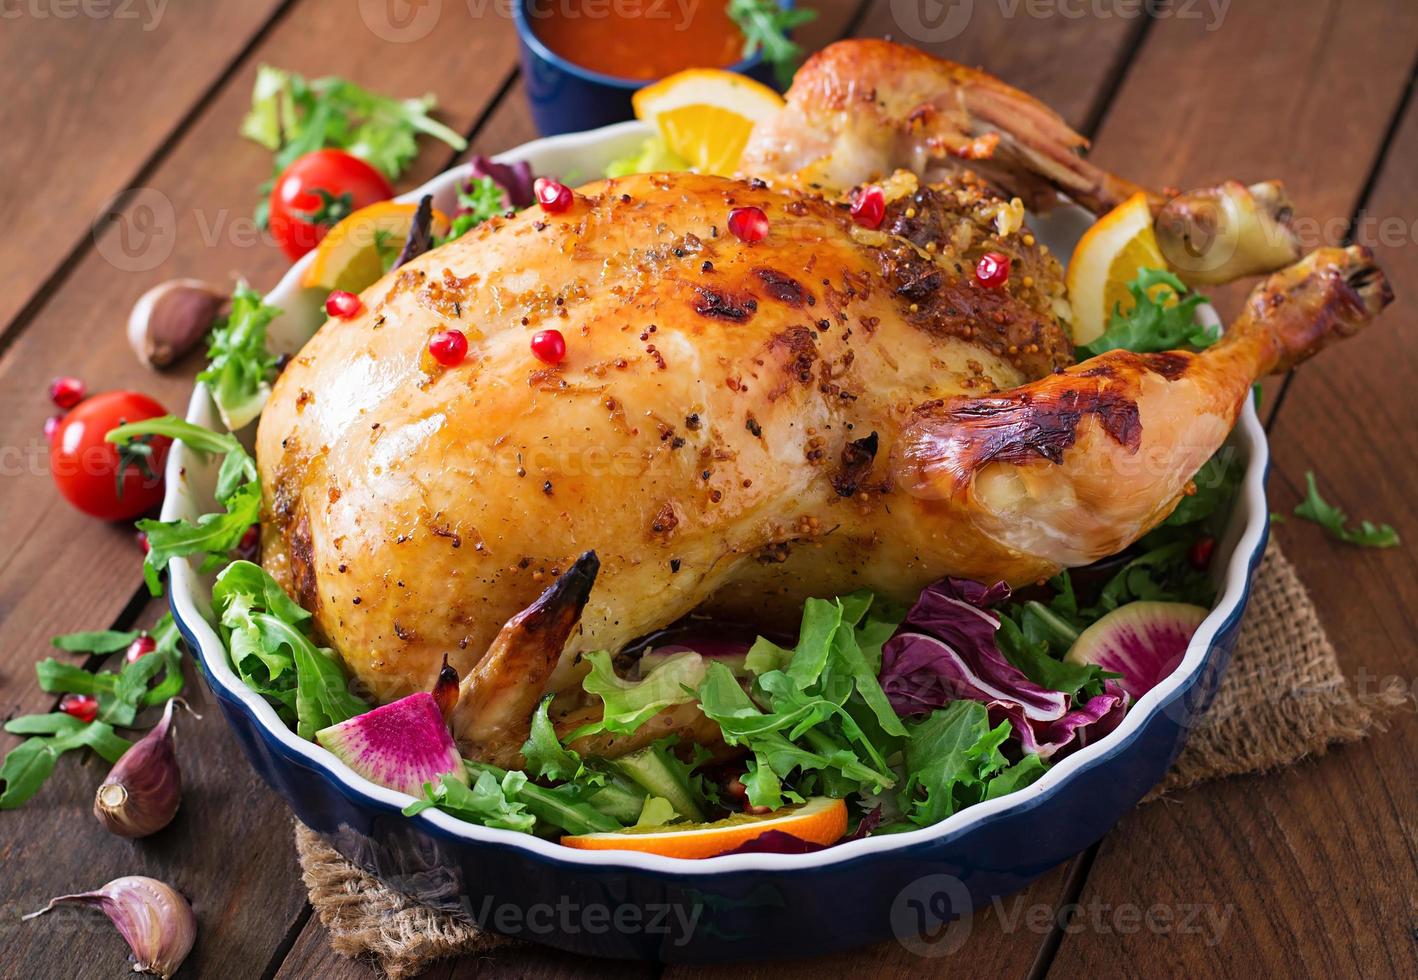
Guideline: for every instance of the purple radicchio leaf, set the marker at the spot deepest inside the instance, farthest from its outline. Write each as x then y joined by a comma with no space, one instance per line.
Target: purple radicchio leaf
1081,725
420,238
514,178
946,651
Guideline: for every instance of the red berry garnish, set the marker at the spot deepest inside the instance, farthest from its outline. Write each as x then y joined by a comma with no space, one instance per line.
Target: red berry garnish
992,271
748,224
549,346
51,426
869,208
448,347
142,539
81,706
250,543
140,647
66,392
1199,554
343,304
554,196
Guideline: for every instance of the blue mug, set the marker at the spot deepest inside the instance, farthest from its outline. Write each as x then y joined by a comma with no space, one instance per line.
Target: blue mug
566,97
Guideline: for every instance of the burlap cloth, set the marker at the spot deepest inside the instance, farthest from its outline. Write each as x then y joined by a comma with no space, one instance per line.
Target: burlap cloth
1282,698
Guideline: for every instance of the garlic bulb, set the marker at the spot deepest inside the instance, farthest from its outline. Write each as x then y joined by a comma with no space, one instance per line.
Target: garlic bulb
155,921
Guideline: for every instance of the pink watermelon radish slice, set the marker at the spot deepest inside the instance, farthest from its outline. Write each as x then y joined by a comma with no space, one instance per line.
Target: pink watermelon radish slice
1143,641
401,745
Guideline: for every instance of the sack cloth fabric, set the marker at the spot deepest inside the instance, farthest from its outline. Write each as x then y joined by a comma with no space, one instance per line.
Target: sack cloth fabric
1283,698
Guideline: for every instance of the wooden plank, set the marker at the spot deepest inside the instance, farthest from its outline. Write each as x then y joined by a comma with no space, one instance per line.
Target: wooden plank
1310,870
312,958
73,138
228,851
60,568
1300,91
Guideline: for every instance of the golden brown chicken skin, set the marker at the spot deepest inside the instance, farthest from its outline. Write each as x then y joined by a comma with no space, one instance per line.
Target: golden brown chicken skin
735,425
721,405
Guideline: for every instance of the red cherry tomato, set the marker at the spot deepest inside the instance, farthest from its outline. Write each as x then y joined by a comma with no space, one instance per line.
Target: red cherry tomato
86,469
315,192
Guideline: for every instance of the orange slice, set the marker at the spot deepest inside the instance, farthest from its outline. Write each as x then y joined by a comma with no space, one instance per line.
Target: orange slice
1108,257
705,115
821,820
356,252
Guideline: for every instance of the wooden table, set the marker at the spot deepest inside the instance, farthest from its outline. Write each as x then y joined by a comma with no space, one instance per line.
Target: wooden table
111,111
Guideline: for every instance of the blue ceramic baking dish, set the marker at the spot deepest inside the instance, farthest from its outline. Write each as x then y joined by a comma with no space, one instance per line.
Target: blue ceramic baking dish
917,886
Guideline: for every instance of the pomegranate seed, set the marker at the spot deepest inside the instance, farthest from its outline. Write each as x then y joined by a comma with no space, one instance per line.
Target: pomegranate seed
992,271
343,305
51,426
448,347
869,208
549,346
142,539
66,392
554,196
81,706
140,647
748,224
1199,554
250,542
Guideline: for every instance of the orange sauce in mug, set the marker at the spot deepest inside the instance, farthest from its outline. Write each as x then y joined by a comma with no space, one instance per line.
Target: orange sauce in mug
638,39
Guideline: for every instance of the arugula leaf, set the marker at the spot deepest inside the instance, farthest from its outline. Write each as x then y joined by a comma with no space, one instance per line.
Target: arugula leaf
1315,508
1022,644
545,756
770,735
95,641
214,535
237,465
239,364
1161,318
57,677
765,25
479,199
291,116
29,764
574,808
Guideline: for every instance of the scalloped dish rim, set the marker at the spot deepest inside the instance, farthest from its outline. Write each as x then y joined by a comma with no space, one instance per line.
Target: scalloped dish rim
1241,549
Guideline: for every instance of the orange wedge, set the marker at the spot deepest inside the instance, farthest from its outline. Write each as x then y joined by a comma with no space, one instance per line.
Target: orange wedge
1108,257
705,115
359,249
821,820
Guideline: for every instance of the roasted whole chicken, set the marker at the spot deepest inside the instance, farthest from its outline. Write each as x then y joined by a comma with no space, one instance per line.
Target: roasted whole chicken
739,425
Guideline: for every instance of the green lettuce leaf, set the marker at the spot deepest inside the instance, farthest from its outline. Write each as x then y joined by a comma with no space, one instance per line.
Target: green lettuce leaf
239,364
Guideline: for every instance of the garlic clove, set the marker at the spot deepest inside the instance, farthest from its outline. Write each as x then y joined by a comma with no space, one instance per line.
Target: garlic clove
172,318
142,791
157,923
